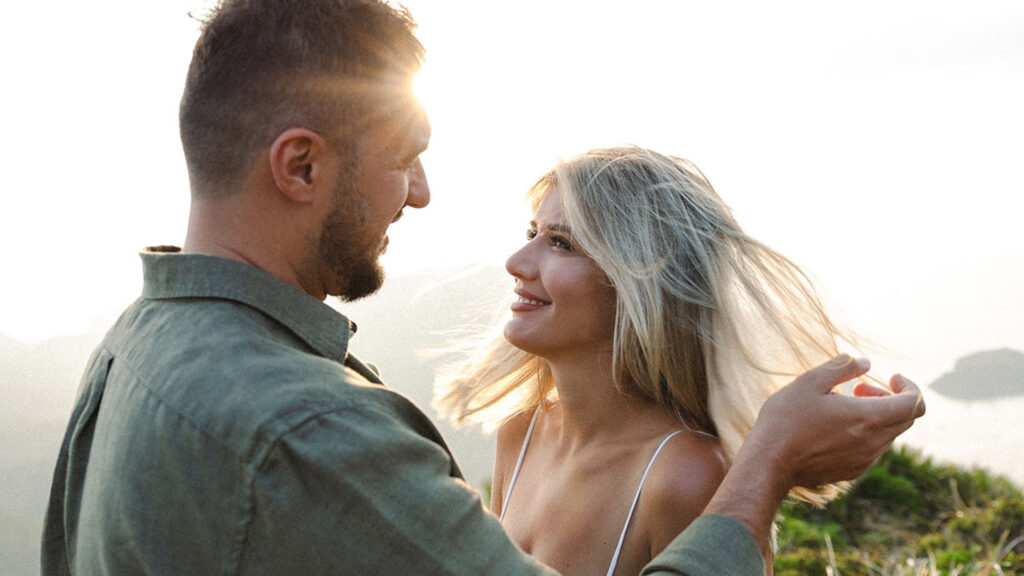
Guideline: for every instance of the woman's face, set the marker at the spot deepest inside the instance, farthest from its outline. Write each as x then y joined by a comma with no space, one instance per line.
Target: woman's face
564,304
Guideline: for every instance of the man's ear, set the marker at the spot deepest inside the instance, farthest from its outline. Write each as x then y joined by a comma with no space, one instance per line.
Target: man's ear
297,163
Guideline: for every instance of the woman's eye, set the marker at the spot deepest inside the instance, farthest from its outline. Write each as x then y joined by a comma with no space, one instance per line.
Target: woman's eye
559,242
555,240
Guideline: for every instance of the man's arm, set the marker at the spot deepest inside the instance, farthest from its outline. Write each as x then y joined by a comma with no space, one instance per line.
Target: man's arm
362,490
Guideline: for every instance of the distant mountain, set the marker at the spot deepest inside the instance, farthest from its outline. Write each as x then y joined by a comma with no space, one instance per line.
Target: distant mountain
37,389
985,375
38,381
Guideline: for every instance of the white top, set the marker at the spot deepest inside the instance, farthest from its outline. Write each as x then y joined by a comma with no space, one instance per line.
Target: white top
632,507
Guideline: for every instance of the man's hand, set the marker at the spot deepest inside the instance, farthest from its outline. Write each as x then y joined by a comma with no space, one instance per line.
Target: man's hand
806,435
813,436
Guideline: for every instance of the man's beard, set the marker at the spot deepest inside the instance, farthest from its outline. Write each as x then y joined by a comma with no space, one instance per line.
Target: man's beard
345,254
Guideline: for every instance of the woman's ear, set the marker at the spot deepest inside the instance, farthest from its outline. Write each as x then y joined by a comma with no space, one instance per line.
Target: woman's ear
297,162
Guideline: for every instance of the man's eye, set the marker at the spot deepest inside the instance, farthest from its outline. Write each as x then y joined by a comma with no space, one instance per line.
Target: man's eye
531,234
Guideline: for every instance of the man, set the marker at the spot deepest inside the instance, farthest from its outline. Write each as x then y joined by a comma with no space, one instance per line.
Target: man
222,426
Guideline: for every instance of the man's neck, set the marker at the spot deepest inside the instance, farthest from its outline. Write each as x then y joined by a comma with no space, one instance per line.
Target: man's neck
220,229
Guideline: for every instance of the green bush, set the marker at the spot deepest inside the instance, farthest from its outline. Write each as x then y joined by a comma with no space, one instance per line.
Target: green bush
800,562
908,515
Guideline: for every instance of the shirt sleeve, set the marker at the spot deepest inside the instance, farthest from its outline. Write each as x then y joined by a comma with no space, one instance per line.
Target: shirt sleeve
363,491
711,544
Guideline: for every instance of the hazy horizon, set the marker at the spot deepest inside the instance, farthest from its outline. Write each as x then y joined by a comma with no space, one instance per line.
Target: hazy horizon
38,383
415,312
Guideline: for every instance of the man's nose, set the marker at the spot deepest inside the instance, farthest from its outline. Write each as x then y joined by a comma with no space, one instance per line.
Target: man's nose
419,189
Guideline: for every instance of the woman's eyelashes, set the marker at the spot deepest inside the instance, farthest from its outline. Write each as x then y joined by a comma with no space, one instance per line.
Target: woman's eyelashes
560,242
555,239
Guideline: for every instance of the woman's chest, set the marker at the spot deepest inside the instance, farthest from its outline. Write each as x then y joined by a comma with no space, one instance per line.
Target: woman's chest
571,513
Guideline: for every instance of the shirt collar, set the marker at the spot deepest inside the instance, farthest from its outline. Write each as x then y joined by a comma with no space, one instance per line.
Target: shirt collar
168,273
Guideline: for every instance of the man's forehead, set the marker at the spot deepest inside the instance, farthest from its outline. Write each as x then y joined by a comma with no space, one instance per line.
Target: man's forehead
409,130
400,117
402,141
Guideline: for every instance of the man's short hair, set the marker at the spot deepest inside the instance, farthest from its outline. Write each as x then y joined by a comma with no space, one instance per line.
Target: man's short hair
262,66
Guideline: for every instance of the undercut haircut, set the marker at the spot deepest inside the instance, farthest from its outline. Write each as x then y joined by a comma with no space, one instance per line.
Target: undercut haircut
263,66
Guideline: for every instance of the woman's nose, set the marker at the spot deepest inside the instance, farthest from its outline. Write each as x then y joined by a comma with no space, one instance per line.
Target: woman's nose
520,263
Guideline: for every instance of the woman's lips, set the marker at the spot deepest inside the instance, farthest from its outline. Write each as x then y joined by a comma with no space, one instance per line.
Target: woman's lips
526,302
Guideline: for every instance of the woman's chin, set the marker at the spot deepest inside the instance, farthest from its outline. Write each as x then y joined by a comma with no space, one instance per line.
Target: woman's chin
516,337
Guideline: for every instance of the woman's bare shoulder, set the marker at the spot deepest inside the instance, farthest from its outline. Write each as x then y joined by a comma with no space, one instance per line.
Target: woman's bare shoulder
507,445
679,485
512,432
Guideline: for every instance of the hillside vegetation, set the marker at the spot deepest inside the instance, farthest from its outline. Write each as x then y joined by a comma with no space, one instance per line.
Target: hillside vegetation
908,516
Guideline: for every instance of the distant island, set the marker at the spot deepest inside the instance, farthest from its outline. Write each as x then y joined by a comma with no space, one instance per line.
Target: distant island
987,375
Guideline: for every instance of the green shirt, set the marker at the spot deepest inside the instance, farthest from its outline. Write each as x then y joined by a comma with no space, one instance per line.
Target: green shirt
222,427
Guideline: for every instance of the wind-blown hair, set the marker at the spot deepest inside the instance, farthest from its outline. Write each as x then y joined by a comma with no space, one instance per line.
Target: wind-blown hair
709,321
262,66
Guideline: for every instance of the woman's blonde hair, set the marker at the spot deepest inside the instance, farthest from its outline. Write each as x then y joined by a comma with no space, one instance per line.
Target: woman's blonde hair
709,321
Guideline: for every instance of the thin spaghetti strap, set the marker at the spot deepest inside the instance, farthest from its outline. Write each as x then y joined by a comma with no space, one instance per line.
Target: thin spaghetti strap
519,464
632,507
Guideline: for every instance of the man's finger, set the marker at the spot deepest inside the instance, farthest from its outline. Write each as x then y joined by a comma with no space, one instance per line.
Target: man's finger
900,409
905,387
827,376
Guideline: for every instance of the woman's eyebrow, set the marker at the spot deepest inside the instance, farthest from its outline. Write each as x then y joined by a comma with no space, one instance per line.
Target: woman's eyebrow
552,227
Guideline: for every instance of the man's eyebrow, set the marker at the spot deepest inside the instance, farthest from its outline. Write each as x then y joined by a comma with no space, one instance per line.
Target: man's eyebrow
412,141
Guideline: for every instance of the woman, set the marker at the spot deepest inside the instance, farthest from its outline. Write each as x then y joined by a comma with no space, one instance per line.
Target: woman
646,332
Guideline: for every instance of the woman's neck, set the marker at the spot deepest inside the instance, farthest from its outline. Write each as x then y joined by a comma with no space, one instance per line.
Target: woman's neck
591,409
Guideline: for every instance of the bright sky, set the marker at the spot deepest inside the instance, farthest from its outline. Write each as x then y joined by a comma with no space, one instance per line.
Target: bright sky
876,143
